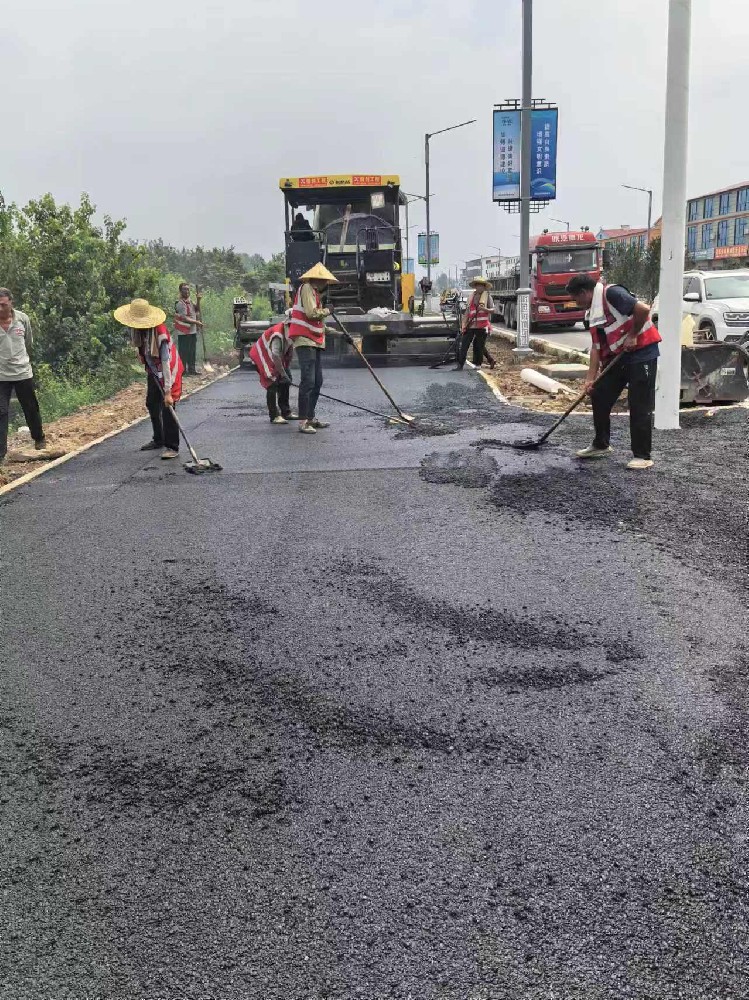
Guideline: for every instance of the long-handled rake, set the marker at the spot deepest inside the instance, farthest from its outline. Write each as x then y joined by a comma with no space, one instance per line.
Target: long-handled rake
198,465
407,418
536,443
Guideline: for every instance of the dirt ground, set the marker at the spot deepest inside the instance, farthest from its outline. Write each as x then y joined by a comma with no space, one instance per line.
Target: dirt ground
506,379
85,425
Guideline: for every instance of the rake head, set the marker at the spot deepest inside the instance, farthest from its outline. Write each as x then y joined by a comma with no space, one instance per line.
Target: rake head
201,466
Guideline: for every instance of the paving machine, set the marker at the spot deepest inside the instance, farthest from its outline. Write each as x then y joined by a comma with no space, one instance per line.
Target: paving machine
351,223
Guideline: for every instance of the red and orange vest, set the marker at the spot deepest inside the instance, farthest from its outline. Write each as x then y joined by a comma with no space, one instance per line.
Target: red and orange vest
180,326
261,355
175,362
301,325
609,339
479,317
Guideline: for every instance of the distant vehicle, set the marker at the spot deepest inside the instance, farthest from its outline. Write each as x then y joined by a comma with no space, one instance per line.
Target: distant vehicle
554,259
719,303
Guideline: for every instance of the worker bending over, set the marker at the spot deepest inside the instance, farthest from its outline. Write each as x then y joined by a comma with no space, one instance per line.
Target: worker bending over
620,327
307,332
271,355
477,323
164,370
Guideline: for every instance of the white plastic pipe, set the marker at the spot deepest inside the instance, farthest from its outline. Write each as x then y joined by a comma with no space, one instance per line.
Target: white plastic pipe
674,208
542,381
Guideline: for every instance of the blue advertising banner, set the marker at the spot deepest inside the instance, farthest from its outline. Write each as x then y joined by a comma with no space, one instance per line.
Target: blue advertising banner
434,239
544,122
506,155
506,151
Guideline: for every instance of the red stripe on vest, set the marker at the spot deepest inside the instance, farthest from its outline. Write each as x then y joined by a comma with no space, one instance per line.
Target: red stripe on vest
301,325
262,357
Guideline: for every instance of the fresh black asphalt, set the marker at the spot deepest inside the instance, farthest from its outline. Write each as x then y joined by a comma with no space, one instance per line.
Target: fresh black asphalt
378,713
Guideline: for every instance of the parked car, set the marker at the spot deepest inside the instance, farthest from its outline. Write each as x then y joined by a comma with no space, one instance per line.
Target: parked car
718,301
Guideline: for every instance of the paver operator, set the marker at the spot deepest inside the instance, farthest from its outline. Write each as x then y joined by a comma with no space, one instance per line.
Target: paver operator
307,332
164,370
271,355
186,323
16,374
619,323
477,323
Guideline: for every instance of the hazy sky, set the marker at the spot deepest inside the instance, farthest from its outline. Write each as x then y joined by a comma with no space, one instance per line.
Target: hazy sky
182,116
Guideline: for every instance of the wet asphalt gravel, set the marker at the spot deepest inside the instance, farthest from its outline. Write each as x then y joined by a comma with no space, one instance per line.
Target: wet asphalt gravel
377,714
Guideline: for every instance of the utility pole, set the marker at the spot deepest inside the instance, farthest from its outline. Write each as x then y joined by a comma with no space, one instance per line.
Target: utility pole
674,209
526,110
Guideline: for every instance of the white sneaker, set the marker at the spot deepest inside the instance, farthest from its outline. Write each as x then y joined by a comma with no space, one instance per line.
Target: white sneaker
169,453
278,420
592,452
640,463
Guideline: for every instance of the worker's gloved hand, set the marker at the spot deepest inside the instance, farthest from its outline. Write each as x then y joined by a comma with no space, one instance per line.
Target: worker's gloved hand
168,399
284,379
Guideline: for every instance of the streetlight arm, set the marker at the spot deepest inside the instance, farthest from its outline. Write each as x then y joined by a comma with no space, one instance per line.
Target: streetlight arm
430,134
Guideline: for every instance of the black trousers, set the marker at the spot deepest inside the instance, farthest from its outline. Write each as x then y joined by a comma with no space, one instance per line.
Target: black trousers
639,378
277,397
26,395
165,430
310,382
478,338
187,346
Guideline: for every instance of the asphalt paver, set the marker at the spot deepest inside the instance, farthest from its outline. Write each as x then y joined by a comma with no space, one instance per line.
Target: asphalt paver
377,713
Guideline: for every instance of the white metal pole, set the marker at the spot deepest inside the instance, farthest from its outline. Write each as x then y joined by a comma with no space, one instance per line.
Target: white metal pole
524,291
674,210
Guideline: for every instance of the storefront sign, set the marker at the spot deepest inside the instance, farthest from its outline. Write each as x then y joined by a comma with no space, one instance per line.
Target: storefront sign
739,251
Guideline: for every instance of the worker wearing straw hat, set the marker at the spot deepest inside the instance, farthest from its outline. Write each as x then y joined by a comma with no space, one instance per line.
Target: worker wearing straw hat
164,371
307,333
477,323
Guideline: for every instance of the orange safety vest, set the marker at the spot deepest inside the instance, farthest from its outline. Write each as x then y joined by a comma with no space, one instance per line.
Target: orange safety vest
479,317
261,355
175,362
301,325
180,326
609,339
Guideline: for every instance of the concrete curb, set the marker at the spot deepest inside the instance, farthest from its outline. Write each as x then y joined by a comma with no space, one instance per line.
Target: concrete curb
545,346
27,478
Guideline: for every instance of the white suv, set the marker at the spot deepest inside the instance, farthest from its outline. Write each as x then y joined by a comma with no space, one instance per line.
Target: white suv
719,303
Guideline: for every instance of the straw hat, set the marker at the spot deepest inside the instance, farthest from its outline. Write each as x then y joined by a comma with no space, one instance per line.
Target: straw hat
140,315
319,273
475,282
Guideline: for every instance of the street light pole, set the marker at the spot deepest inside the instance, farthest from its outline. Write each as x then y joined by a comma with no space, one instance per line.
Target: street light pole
524,292
674,201
427,137
649,193
561,222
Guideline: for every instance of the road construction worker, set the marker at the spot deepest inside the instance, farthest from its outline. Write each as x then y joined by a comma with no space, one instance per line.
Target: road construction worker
186,324
16,374
621,329
271,355
477,323
164,370
307,332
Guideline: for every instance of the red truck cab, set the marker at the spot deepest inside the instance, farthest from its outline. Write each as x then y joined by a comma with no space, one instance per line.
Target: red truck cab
555,258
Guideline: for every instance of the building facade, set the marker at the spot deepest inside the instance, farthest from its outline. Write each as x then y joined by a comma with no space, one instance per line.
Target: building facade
718,227
623,238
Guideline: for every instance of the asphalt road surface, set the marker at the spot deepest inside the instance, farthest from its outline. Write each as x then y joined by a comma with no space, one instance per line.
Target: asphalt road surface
377,713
